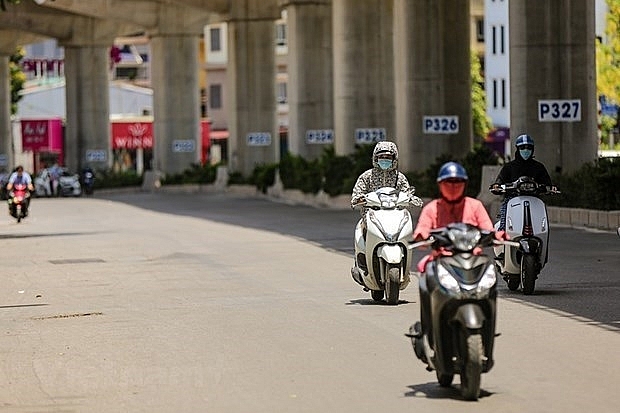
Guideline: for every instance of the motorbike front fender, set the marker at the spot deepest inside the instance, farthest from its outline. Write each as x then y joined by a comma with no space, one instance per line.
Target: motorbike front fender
531,245
469,316
391,253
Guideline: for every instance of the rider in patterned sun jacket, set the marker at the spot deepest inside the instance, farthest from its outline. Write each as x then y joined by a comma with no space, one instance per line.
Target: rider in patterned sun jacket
384,172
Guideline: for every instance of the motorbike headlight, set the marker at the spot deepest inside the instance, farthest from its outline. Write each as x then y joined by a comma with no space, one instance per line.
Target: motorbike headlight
447,281
488,279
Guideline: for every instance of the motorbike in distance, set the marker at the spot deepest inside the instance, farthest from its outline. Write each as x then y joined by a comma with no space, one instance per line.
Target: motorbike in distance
382,260
528,224
18,200
88,181
458,293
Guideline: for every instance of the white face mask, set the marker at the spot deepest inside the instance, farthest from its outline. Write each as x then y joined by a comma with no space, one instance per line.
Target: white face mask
384,163
525,153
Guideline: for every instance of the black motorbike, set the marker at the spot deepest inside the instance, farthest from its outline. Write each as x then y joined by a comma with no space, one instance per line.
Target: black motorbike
88,181
458,292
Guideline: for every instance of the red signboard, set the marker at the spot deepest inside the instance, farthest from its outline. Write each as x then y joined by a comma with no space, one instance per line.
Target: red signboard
42,135
132,135
139,134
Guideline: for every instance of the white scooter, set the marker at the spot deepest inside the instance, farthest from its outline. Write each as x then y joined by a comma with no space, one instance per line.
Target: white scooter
382,259
526,223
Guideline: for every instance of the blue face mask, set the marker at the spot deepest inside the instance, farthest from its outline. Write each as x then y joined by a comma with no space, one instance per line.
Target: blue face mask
525,153
384,163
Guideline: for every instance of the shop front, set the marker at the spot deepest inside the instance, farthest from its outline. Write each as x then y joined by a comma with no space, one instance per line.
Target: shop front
44,138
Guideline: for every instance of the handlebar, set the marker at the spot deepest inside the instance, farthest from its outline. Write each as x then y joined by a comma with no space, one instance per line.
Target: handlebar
524,185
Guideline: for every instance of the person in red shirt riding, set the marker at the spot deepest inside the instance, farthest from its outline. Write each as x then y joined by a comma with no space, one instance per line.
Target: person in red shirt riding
452,206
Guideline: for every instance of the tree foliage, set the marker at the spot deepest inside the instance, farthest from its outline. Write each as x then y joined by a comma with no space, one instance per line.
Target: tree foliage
608,55
18,78
481,120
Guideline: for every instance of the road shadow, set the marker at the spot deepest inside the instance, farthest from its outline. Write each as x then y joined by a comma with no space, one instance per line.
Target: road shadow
42,235
370,301
432,390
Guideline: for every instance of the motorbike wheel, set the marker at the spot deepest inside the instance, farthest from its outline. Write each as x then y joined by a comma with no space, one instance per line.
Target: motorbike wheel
376,295
513,282
445,380
528,273
392,285
472,367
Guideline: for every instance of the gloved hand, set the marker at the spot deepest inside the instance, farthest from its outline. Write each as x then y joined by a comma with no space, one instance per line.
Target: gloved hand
501,235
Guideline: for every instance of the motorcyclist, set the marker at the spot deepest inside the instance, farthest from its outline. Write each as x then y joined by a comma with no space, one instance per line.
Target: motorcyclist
384,172
452,206
20,177
524,164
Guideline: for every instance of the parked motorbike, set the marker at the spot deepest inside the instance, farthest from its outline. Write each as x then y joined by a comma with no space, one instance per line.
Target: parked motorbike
526,223
88,181
458,292
69,184
18,201
382,260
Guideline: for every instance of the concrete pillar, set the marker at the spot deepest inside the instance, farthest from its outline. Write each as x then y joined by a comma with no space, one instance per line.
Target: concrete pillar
310,80
552,56
432,78
87,134
6,140
176,102
363,69
250,99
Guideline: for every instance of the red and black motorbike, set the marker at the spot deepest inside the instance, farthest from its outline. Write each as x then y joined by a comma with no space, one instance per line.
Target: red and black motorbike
19,198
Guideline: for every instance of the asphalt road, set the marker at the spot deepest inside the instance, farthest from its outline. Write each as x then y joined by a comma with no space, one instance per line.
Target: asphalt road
159,302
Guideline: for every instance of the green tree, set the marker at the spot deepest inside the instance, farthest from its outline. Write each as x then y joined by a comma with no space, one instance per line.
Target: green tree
18,78
481,121
608,67
608,55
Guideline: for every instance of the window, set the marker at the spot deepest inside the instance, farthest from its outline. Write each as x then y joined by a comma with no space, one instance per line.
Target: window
281,93
215,34
281,34
215,96
494,93
503,93
480,29
502,39
494,39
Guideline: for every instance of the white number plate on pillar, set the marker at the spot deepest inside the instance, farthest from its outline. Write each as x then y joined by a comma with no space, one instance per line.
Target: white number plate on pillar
183,145
96,155
369,135
559,110
319,136
440,124
258,139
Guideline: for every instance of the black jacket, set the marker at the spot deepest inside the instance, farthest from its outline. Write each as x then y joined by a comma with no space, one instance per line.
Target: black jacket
519,167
